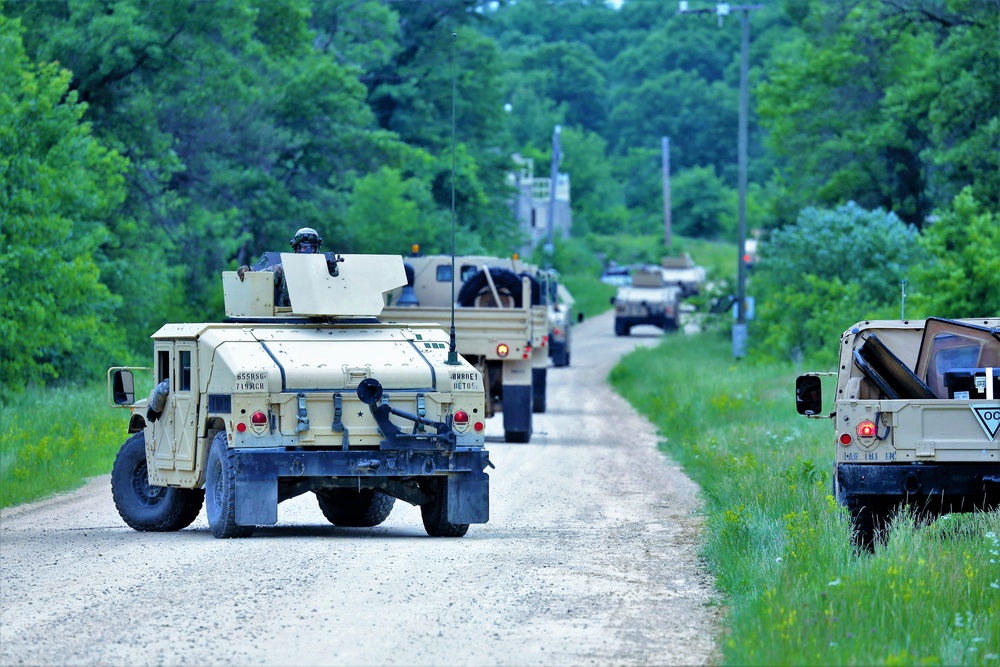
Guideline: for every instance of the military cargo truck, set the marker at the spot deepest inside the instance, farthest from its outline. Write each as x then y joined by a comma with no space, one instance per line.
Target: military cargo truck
500,327
650,299
915,417
318,396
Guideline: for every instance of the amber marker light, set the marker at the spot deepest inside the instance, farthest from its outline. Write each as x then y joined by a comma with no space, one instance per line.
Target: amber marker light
502,350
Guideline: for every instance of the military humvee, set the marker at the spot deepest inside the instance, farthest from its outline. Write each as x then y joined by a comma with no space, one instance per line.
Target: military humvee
315,397
559,303
500,323
650,299
916,416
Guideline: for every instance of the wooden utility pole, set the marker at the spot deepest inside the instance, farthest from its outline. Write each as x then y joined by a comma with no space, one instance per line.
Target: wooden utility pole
722,10
667,241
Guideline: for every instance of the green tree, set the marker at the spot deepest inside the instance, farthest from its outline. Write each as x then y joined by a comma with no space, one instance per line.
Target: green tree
830,269
58,189
962,279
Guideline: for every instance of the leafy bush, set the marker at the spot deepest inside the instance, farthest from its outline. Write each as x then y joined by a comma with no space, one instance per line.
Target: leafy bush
828,270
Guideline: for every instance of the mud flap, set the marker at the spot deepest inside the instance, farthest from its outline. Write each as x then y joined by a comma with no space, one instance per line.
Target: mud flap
517,407
469,498
256,502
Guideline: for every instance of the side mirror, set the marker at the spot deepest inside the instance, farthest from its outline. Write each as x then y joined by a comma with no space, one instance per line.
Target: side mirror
579,317
808,395
123,387
612,300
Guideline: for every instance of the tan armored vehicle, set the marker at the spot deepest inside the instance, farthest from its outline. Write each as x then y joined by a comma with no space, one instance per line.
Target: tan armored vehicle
916,416
651,299
559,303
683,272
315,397
500,325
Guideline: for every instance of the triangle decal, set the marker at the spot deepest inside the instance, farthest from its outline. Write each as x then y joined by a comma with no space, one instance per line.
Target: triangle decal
988,416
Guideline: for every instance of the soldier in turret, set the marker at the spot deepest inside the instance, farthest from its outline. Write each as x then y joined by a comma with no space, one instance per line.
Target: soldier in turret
306,241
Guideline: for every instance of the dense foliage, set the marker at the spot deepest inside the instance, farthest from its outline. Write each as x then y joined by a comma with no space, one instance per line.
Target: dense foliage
149,144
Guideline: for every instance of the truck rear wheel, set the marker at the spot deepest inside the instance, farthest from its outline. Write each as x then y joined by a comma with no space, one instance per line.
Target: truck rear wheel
220,491
435,512
622,329
146,507
355,509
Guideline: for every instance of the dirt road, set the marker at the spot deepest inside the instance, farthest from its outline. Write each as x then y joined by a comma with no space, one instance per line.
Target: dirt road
589,558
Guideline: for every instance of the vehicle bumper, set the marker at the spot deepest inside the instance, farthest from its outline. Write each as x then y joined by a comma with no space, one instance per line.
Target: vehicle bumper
258,472
935,487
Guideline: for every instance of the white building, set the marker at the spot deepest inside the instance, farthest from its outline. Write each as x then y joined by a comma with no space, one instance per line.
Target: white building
532,205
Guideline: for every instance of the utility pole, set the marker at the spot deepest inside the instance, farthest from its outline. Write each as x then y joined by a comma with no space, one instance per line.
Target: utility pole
667,241
722,10
550,240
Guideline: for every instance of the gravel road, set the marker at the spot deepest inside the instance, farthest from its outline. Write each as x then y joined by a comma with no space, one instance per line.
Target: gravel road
589,558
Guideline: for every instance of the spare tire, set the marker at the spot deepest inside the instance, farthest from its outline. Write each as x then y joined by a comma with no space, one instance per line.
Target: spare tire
506,281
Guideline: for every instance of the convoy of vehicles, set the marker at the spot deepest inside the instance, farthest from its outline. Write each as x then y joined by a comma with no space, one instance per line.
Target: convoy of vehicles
916,416
320,396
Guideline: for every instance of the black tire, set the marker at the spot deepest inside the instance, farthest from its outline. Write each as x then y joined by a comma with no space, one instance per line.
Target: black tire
506,281
220,490
435,512
539,382
517,436
355,509
146,507
621,329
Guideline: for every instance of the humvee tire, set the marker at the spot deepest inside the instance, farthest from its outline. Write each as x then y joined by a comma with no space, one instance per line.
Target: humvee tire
435,512
143,506
622,329
220,491
355,509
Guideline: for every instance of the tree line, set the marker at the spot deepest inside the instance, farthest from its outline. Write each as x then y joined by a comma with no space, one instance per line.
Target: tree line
146,145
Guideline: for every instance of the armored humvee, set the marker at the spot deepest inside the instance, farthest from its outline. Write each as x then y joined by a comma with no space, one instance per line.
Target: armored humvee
916,416
315,397
559,303
500,324
650,299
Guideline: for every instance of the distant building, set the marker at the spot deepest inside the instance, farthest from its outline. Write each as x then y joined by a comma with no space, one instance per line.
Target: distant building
532,205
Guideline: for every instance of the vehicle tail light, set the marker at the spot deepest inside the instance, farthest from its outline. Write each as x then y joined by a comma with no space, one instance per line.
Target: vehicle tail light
462,417
866,429
258,419
502,350
845,439
479,426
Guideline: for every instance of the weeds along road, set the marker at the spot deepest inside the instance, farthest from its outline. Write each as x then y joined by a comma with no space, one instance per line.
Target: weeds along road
589,558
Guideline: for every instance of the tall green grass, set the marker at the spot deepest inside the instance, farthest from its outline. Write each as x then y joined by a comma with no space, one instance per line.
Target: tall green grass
51,440
796,592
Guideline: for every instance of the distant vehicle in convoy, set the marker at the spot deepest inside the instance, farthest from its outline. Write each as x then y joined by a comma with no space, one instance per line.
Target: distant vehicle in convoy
559,303
916,417
616,275
501,326
651,299
319,396
683,272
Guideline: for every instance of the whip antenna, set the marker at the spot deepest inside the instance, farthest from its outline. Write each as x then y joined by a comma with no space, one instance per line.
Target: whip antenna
452,348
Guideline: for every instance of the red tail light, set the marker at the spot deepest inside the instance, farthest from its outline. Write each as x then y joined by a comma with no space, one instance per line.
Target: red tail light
866,429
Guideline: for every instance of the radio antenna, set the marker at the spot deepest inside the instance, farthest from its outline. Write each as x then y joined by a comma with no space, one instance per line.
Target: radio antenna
452,347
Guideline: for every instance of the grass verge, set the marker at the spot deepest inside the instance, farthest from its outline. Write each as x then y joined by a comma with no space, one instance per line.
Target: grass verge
779,545
52,440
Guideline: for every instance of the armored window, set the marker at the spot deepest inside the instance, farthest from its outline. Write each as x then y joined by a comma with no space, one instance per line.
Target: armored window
444,273
185,370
